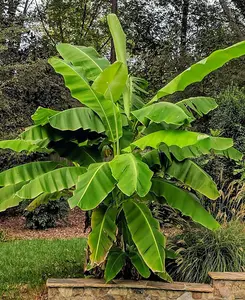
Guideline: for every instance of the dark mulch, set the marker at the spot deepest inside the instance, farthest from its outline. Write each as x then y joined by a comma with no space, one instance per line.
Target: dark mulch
14,227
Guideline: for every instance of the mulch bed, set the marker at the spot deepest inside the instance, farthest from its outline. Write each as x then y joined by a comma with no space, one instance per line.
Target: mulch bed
14,227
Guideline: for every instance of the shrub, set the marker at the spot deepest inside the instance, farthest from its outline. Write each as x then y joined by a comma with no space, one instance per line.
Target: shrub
201,251
229,118
46,215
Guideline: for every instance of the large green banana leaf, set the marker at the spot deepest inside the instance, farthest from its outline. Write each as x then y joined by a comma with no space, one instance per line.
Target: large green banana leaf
8,196
42,199
203,149
162,112
19,145
168,137
86,58
132,174
77,118
146,234
181,139
198,71
230,153
185,202
38,132
111,82
139,264
51,182
26,172
84,156
151,158
116,260
165,276
103,233
200,105
82,91
93,187
42,115
192,175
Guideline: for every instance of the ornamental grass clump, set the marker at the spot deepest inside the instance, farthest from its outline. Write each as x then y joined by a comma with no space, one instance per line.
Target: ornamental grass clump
121,151
201,251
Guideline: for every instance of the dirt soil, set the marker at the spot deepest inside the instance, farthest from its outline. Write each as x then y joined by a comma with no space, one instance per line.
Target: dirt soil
14,227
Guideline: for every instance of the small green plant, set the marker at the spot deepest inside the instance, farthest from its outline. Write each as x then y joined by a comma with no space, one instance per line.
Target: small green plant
121,152
201,251
46,215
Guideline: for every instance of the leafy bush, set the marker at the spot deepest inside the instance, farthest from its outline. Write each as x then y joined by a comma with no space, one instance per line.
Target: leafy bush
46,215
201,251
229,117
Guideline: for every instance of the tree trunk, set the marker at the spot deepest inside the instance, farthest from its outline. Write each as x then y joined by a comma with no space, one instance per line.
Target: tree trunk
184,25
114,11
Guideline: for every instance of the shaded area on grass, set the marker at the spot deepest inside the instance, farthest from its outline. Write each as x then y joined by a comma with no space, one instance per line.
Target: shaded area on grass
33,261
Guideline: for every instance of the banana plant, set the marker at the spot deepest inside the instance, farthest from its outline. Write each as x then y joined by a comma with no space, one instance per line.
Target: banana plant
117,151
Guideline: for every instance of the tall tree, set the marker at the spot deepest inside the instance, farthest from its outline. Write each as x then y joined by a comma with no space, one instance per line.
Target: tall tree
184,26
235,24
114,8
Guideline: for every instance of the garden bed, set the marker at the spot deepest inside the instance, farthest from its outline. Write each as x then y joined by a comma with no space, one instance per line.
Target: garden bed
14,227
224,286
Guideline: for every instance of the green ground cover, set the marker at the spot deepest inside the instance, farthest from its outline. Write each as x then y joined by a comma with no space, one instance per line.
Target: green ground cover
31,262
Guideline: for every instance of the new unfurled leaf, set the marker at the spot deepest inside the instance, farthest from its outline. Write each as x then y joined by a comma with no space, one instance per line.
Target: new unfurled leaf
119,37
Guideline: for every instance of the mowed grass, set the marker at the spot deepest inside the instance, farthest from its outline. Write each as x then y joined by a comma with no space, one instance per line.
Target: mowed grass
31,262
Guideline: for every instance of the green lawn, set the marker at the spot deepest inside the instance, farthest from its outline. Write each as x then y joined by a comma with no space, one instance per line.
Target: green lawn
31,262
